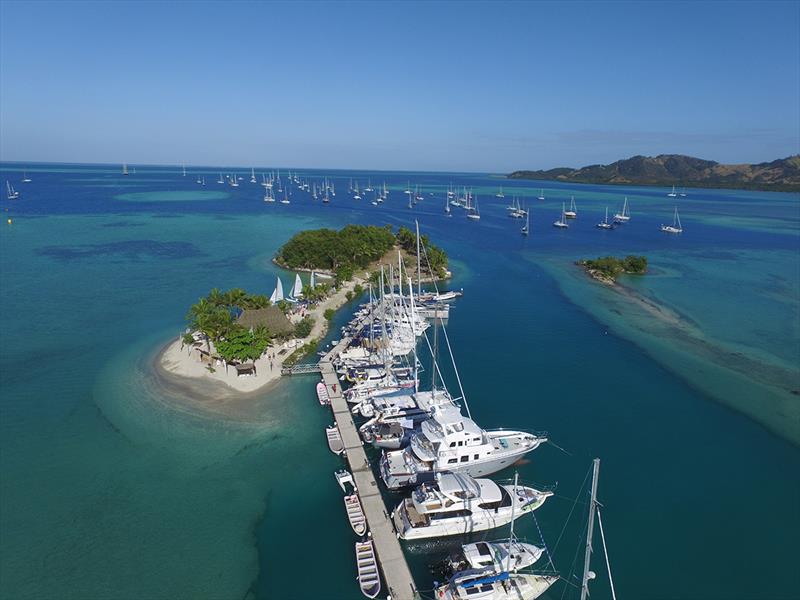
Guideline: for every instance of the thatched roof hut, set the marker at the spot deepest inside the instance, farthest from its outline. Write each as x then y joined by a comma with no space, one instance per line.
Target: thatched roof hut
272,317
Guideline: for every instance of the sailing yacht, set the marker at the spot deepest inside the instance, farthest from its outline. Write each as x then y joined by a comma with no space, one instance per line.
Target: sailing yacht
277,294
473,212
676,226
683,193
124,169
285,197
449,441
561,222
500,194
253,176
455,504
268,196
625,215
220,180
369,185
527,227
233,181
11,193
297,288
572,213
204,181
357,195
541,194
672,194
447,207
25,178
604,224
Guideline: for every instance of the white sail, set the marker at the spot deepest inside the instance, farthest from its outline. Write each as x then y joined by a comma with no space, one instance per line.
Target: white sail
277,295
297,290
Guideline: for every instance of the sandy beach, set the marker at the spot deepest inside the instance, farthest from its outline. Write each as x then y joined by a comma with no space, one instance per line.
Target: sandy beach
183,361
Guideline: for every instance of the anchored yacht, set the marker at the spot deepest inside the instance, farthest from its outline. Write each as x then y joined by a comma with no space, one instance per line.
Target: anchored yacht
449,441
455,504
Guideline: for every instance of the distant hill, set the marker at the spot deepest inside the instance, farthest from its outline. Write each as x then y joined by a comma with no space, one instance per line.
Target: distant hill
675,169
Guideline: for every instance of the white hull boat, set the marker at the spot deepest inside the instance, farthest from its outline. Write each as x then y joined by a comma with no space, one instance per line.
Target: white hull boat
369,580
355,515
335,442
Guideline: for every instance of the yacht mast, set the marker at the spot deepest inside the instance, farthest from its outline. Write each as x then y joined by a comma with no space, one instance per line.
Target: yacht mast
587,574
511,534
419,268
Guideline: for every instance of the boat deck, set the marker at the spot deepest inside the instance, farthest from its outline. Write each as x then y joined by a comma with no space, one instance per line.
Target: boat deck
392,561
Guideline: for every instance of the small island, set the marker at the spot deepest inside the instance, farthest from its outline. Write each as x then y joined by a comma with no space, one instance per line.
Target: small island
606,269
243,339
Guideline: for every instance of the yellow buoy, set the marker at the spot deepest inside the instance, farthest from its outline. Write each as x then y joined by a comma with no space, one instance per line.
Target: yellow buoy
9,221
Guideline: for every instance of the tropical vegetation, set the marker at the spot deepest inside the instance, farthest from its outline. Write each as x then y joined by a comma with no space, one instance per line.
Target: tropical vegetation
610,267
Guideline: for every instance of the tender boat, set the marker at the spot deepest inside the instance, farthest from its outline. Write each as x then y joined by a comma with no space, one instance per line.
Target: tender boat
322,394
449,441
335,442
455,504
368,577
355,515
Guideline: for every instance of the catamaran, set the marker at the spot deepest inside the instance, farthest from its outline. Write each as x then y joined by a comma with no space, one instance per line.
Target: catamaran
625,215
11,193
277,294
572,213
604,224
456,504
676,226
297,288
562,221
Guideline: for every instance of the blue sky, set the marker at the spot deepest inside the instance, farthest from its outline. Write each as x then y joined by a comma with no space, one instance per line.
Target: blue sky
464,86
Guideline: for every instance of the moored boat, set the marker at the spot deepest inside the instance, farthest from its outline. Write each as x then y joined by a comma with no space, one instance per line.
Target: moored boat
369,579
335,442
355,515
322,394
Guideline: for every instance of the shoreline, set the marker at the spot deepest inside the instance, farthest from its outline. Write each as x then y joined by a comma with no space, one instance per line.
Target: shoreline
175,361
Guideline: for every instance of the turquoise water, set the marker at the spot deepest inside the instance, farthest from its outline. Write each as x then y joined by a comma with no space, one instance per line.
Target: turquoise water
116,485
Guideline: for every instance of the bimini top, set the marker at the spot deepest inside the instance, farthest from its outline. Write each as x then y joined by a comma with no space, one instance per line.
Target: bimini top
460,486
447,421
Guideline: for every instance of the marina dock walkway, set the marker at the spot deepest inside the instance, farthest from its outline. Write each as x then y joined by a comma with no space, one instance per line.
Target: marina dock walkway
396,574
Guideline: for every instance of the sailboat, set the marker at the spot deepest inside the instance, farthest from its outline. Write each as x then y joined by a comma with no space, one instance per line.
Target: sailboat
11,193
683,193
676,224
625,215
285,197
541,194
527,228
25,178
253,176
562,222
408,189
500,194
220,180
357,195
672,194
204,180
594,511
605,224
277,294
184,170
234,182
268,196
447,207
369,185
572,213
473,212
124,169
297,288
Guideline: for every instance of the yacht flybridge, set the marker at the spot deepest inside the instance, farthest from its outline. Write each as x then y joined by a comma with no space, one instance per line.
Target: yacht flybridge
449,441
455,504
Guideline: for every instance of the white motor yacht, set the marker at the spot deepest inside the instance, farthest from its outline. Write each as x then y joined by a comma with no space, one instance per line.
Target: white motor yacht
449,441
455,504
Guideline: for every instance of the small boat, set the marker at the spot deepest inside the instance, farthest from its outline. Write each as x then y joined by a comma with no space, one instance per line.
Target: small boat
322,394
562,222
343,477
625,215
355,515
672,194
11,193
676,226
605,224
368,577
527,227
683,193
335,442
572,213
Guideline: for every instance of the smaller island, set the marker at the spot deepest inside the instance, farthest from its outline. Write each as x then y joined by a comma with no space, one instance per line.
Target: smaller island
606,269
243,339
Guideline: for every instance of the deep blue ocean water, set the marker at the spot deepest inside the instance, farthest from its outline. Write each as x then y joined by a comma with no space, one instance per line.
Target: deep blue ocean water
114,486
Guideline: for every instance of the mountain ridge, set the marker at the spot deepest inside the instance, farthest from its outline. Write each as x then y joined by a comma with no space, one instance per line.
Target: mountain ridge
782,174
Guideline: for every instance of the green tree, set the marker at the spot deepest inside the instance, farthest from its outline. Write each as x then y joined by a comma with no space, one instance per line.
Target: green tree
328,314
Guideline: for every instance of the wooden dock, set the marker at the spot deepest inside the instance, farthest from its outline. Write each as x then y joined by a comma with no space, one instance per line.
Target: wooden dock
396,574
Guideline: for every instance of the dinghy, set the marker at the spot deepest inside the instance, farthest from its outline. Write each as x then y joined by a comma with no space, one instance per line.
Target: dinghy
355,515
368,577
322,394
335,442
